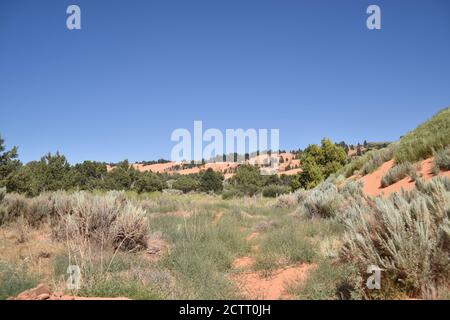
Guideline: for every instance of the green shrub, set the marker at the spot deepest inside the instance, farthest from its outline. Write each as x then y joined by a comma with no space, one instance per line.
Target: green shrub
22,181
185,183
248,180
211,181
231,193
442,160
396,174
311,174
149,182
431,135
406,235
274,190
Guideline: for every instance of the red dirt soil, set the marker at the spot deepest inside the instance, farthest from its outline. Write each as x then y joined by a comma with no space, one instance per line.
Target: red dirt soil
42,292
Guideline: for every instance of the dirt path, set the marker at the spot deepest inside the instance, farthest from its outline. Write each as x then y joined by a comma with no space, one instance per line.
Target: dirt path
255,286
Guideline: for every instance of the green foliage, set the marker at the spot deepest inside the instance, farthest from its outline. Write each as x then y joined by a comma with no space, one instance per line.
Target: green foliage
274,190
122,177
318,162
231,193
22,181
211,181
433,134
15,279
186,183
88,175
311,174
248,180
8,162
51,172
149,182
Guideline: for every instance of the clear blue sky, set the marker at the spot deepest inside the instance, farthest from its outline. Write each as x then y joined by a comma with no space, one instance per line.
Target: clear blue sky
139,69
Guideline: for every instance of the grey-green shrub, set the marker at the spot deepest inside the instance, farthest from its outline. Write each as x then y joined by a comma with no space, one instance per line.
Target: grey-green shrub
442,160
406,235
324,201
291,200
397,173
109,219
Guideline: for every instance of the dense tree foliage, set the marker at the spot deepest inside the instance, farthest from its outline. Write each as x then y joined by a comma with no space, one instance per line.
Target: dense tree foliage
211,181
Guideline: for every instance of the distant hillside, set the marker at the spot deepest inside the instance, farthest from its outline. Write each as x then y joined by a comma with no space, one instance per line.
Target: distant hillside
433,134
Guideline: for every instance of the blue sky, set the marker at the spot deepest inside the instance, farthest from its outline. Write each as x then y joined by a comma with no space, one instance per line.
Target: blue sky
137,70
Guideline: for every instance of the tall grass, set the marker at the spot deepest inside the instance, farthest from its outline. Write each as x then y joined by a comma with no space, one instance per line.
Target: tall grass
15,278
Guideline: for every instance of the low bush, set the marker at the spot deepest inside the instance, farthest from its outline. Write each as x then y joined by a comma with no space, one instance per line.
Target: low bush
274,190
291,200
231,193
107,220
324,201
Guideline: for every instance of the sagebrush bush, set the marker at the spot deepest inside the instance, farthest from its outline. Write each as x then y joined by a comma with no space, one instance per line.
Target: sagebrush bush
442,160
323,201
406,235
397,173
108,219
291,200
130,229
32,210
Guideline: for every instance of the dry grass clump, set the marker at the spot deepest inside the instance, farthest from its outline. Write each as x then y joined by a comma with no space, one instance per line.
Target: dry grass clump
407,236
397,173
